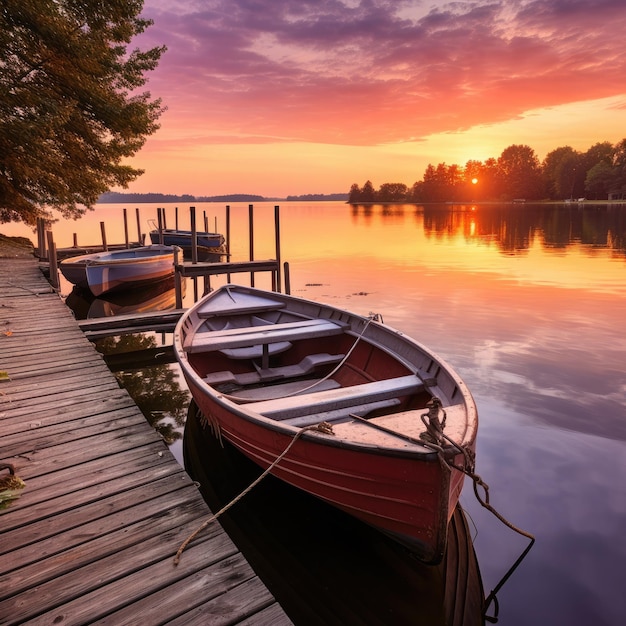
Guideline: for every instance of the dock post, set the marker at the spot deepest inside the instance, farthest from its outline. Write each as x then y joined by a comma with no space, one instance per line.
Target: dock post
160,224
126,241
194,248
287,279
52,259
139,235
227,236
104,237
75,240
176,217
251,236
41,237
277,237
178,279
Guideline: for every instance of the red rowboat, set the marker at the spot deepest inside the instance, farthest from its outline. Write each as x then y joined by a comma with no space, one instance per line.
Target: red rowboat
384,429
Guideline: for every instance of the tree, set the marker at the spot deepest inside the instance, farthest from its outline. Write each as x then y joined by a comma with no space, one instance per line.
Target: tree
355,194
393,192
564,173
520,173
368,193
70,105
601,179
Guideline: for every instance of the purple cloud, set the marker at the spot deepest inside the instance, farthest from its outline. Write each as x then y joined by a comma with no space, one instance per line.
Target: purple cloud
375,71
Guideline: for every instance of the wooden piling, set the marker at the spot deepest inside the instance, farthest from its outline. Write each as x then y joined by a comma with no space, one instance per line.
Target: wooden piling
227,236
277,241
126,239
139,235
104,236
52,260
178,279
251,238
160,225
287,279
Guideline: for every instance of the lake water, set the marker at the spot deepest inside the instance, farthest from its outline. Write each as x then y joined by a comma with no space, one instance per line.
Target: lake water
528,304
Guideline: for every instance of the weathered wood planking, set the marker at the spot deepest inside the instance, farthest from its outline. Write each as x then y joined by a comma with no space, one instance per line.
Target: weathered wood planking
106,506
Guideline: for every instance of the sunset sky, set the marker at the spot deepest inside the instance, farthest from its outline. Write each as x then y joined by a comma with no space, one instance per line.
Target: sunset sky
279,97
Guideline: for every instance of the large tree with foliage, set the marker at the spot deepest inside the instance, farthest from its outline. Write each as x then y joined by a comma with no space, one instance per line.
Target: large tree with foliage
71,105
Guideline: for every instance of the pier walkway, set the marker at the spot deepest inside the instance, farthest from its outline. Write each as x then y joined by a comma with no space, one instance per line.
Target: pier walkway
106,506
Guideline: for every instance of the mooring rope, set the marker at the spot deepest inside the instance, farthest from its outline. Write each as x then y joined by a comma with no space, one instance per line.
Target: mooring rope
433,441
324,427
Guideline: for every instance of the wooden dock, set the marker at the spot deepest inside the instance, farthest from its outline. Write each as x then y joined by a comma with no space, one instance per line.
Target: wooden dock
106,506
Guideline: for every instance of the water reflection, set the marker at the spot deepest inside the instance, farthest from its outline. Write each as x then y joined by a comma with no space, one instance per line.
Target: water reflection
160,296
156,390
513,228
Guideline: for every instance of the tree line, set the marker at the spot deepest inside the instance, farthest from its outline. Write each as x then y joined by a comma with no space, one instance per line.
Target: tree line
565,173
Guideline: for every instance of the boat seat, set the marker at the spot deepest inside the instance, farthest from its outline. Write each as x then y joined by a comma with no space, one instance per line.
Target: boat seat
341,415
271,392
258,351
219,340
243,304
306,366
343,397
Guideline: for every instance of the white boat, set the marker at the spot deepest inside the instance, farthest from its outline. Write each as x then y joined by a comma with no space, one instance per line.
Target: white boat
105,272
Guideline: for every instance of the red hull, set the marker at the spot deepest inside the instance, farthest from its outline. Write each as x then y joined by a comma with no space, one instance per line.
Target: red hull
411,501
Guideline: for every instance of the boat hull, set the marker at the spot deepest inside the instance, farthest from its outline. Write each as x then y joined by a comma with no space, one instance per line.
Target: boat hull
410,501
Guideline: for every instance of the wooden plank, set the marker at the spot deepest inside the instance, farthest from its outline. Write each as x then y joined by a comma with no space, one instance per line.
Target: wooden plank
31,413
214,269
70,537
190,595
65,580
248,598
34,461
95,490
41,436
271,616
131,319
51,387
106,510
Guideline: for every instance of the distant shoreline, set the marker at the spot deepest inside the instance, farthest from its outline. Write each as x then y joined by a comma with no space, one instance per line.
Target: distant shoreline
113,197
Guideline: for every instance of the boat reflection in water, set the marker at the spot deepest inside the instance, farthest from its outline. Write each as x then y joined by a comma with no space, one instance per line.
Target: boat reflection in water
160,296
322,565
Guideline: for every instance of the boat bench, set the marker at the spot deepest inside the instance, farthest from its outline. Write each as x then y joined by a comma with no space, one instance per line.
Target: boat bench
341,415
306,366
282,390
229,338
341,398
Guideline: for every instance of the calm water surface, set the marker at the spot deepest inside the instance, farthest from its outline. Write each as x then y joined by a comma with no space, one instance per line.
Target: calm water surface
528,304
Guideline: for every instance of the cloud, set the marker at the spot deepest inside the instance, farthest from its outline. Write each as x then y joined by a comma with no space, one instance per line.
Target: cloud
377,71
